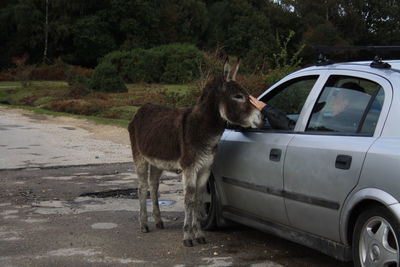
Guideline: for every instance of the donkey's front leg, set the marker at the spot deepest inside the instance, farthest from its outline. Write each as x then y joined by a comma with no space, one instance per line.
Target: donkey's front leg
201,185
189,193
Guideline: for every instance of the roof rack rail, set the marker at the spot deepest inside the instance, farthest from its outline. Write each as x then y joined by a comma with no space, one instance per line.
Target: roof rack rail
323,61
377,62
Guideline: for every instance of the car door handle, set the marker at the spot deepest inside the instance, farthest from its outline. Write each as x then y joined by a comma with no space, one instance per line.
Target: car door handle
343,162
275,154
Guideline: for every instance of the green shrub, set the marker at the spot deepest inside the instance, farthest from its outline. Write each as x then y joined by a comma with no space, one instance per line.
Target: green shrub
275,75
182,63
175,63
106,79
284,63
78,81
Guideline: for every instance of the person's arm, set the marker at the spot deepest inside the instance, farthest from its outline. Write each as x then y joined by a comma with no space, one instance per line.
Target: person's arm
276,118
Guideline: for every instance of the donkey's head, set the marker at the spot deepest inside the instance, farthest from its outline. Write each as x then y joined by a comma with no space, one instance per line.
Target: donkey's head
234,103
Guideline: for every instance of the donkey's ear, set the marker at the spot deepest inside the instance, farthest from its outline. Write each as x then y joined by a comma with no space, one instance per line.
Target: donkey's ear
227,70
230,75
236,68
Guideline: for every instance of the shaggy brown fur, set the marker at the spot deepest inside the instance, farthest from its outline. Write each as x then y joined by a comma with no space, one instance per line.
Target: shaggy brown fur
185,140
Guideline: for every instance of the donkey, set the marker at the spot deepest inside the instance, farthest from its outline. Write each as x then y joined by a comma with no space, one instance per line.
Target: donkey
185,140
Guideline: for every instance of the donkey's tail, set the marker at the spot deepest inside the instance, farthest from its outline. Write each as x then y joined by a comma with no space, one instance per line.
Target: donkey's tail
131,130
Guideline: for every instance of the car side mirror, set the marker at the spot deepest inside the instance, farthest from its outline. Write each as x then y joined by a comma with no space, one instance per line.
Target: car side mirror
318,107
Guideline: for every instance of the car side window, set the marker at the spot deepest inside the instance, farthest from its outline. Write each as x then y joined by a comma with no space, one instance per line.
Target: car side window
347,105
289,97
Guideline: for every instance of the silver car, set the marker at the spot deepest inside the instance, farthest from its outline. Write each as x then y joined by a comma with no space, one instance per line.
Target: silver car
332,181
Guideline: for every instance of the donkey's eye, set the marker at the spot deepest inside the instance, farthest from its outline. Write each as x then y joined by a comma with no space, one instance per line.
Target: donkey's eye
238,97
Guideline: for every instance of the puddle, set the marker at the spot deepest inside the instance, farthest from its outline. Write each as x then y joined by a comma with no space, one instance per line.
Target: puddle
163,202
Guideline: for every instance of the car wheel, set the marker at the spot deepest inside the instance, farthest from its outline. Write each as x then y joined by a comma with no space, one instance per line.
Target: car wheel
209,221
376,239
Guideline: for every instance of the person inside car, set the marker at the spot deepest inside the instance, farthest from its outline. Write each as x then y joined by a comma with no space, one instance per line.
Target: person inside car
339,115
275,117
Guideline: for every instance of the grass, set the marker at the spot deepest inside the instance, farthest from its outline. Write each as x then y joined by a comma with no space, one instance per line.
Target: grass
178,88
10,84
34,83
59,99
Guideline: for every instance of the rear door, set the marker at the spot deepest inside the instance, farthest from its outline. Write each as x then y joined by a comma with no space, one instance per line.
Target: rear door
323,163
249,164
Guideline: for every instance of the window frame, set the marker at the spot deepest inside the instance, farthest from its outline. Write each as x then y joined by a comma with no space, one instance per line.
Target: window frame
314,94
277,86
363,115
373,77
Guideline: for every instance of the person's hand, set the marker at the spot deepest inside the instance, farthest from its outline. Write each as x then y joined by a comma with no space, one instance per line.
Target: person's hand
258,104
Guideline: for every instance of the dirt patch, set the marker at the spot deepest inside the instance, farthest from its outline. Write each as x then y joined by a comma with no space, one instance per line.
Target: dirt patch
97,131
38,117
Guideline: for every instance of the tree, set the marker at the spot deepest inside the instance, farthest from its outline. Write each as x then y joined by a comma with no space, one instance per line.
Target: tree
92,40
29,29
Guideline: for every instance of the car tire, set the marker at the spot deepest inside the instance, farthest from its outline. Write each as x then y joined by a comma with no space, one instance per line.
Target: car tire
376,239
209,221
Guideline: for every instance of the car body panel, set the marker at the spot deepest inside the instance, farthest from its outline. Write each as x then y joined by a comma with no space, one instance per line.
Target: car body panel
310,172
304,197
252,182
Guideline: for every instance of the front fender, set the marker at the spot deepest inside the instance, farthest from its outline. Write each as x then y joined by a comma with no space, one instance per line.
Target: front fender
366,194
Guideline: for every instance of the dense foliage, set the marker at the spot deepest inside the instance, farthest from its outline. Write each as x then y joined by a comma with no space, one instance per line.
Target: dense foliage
174,63
81,32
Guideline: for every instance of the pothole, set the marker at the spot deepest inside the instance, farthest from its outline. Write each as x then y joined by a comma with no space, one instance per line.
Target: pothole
118,193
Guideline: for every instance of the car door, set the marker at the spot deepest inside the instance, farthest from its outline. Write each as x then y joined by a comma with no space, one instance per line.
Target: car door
323,163
249,164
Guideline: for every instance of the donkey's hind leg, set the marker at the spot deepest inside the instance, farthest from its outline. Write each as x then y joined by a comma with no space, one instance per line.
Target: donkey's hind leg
154,181
142,169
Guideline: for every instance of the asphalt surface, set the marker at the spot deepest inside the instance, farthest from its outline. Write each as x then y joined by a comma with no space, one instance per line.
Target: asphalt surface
68,198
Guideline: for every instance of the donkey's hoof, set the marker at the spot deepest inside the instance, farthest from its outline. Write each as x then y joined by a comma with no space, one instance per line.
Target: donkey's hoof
144,229
160,225
188,243
201,240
